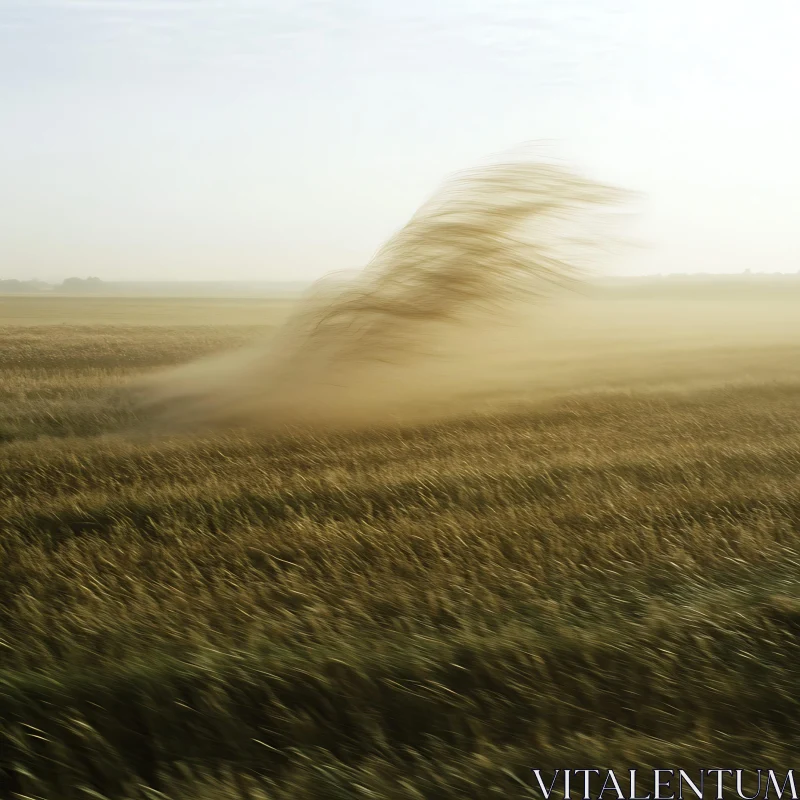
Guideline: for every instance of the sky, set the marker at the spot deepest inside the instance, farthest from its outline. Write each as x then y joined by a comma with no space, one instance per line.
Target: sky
283,139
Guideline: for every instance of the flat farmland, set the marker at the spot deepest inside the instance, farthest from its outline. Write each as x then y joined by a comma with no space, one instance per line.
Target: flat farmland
598,566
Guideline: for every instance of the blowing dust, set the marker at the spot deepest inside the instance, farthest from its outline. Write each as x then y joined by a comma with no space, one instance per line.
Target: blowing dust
406,338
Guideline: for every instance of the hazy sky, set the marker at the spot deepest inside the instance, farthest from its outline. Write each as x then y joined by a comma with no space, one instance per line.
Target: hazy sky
280,139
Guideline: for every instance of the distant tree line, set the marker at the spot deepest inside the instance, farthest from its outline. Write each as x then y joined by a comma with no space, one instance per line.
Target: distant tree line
80,285
14,286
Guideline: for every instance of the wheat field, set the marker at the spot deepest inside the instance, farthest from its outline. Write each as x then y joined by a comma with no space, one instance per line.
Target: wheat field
597,565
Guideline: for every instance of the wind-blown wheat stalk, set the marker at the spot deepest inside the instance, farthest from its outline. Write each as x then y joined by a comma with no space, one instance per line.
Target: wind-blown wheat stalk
487,237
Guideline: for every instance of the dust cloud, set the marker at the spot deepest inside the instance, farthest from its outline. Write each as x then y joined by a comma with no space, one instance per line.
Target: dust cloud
407,337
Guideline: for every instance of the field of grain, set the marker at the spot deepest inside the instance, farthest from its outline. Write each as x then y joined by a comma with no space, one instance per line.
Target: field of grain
600,567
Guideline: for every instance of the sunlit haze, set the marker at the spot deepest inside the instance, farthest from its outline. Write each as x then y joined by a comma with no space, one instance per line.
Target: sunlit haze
274,140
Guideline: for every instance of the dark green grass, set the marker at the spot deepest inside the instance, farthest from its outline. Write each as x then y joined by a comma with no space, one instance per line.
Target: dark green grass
427,612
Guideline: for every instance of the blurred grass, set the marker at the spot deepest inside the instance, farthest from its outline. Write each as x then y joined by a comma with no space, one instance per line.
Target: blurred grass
609,579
